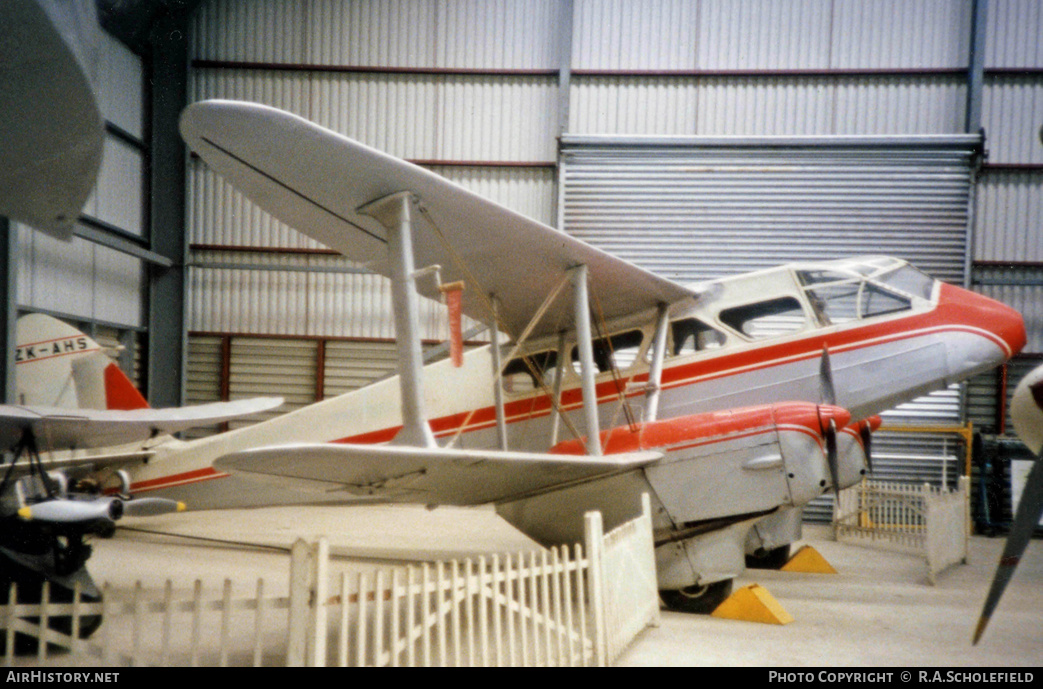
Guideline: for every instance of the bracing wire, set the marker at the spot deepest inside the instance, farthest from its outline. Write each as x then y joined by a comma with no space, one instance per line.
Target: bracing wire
501,326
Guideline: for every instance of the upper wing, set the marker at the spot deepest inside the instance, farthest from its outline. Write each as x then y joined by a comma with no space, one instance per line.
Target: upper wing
60,429
424,475
52,132
314,180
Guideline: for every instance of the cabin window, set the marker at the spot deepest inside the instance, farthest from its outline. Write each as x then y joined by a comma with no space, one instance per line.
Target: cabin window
615,351
691,335
519,376
764,319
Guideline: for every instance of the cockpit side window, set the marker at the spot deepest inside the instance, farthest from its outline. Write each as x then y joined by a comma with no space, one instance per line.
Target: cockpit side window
615,351
833,296
691,335
519,375
764,319
878,302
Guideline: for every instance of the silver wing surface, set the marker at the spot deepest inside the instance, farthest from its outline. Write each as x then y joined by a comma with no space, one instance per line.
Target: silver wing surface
51,133
62,429
425,475
315,180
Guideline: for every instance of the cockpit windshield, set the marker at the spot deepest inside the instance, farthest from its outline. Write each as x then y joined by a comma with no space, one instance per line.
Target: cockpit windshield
909,280
844,291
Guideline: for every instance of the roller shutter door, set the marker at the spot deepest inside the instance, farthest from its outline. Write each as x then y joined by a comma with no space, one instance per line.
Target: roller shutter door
697,208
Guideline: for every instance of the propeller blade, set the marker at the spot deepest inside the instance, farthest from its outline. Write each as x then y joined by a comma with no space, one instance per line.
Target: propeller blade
867,443
149,507
828,428
827,392
1027,517
831,455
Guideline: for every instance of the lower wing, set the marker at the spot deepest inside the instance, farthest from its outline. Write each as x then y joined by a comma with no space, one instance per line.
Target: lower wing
423,475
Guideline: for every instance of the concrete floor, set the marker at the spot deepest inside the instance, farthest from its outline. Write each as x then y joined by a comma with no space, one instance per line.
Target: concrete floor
879,610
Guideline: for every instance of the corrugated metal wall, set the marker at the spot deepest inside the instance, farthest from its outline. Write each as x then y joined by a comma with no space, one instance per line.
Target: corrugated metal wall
1008,251
696,208
301,370
1009,223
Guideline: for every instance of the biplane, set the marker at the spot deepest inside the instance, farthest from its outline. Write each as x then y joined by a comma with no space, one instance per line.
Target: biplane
731,403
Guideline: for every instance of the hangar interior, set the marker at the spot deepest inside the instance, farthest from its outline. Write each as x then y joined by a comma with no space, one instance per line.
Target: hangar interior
559,110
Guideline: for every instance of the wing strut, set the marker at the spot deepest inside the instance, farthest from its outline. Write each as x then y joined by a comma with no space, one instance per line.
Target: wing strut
586,357
559,373
501,416
393,213
655,373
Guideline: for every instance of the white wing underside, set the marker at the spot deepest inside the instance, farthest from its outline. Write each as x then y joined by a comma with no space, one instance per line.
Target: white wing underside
314,180
425,475
62,429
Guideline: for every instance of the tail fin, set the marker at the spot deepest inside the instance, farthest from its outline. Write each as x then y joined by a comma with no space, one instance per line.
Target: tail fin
56,365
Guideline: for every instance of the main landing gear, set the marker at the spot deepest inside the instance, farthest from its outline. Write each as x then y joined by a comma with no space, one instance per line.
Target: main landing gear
699,599
771,558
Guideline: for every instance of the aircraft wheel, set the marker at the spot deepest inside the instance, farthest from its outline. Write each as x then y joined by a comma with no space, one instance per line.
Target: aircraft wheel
30,590
773,558
699,600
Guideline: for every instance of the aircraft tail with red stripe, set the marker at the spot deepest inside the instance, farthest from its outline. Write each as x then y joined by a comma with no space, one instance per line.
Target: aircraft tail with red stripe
56,365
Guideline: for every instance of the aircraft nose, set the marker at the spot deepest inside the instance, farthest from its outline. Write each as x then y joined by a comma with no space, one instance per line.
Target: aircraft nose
1003,322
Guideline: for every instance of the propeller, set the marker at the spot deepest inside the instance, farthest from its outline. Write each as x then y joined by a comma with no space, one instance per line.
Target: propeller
829,434
1027,414
828,396
827,393
866,432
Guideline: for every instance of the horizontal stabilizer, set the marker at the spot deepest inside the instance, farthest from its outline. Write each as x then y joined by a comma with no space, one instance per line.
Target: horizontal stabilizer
423,475
62,429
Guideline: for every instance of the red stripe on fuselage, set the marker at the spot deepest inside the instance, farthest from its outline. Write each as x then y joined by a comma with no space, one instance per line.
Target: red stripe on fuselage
712,427
174,480
947,316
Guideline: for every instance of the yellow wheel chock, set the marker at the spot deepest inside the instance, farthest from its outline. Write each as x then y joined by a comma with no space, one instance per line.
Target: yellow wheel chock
753,603
809,561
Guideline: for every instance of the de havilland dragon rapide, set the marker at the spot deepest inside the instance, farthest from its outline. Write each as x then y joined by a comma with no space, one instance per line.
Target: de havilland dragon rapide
730,403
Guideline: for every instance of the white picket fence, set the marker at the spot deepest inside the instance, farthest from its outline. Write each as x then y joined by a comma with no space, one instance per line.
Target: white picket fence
922,519
557,607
